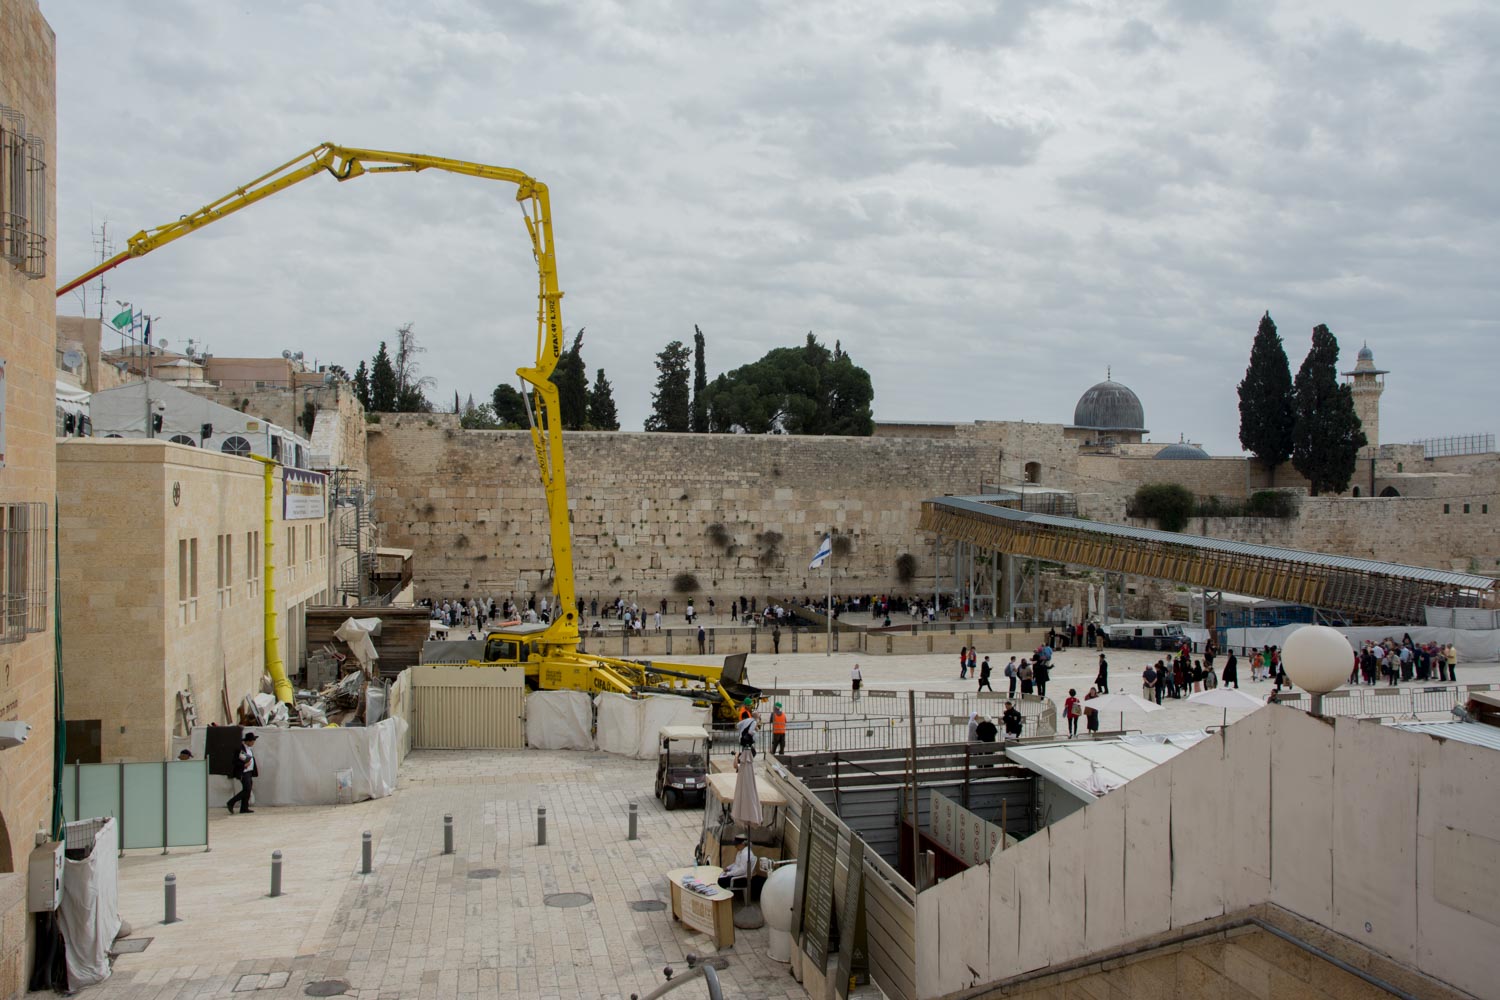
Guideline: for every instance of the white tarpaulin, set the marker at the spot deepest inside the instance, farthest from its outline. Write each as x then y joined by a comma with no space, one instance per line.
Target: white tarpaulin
90,912
356,632
628,726
302,767
1473,645
559,720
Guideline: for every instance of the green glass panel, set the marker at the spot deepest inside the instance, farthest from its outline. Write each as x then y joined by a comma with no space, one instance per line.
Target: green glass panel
187,803
143,821
98,790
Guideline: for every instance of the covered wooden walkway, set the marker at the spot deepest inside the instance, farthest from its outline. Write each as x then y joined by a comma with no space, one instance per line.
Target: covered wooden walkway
1359,590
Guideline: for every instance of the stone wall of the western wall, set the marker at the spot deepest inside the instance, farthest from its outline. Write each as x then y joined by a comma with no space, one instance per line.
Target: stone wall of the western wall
469,503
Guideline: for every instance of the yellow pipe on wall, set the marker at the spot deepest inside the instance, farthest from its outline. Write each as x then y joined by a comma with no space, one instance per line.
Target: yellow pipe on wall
274,666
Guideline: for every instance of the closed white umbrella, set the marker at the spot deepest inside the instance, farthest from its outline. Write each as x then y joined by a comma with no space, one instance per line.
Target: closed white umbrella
1227,698
1121,703
746,806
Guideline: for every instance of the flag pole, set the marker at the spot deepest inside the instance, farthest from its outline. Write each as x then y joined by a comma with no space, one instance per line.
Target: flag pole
828,643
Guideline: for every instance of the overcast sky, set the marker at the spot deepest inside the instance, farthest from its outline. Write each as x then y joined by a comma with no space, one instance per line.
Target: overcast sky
986,203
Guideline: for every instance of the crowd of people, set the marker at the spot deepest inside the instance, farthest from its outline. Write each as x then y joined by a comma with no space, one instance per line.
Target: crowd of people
1406,660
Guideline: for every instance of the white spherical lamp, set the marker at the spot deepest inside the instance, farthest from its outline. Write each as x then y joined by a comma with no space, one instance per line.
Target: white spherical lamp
1317,659
776,903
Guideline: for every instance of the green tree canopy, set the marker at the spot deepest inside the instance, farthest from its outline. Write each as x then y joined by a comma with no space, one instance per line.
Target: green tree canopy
383,387
670,409
794,390
572,383
509,406
1327,435
602,415
700,384
362,385
1267,414
478,418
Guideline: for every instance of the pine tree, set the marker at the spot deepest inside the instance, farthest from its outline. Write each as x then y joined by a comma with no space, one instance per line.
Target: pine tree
1327,436
1267,414
700,384
383,387
362,385
572,383
670,409
602,415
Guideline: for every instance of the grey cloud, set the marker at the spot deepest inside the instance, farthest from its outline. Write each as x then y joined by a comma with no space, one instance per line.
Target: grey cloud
986,25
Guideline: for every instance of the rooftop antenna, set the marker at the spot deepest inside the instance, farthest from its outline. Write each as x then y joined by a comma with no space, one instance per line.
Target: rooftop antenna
106,248
1108,374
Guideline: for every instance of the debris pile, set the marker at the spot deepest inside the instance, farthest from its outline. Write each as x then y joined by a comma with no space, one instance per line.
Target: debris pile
346,689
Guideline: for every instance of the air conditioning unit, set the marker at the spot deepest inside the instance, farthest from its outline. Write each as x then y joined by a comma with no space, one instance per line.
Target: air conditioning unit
44,872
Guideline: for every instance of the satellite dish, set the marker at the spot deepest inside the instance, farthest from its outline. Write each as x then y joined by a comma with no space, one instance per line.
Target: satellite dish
287,355
162,344
298,355
72,359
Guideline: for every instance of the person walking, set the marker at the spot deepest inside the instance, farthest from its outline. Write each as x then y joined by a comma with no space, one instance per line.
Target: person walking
1012,674
1012,720
778,730
1101,679
973,726
1041,673
984,676
1072,710
702,641
856,679
1026,672
1091,715
245,770
1232,671
963,662
776,638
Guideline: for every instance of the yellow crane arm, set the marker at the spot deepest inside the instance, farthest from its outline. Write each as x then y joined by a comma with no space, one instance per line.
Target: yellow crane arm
346,163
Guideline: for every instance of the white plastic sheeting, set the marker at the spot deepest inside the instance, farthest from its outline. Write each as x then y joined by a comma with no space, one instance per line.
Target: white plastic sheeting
1473,644
356,632
90,912
301,767
628,726
559,720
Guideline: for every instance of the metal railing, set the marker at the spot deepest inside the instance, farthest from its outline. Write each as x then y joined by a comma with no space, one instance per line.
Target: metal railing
1433,699
1457,444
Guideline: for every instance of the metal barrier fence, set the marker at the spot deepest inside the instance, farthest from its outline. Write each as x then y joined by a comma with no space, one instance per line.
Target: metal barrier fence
1435,699
872,733
835,703
158,803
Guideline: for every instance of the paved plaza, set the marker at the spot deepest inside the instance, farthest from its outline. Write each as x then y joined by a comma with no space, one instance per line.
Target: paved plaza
475,924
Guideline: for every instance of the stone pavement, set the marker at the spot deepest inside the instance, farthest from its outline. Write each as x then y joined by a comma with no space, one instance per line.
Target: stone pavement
423,925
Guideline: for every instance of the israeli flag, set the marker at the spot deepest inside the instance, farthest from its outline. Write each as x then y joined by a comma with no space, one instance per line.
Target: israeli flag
824,551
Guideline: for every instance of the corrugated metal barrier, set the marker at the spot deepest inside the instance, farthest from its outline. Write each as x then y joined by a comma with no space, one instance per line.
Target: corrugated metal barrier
468,708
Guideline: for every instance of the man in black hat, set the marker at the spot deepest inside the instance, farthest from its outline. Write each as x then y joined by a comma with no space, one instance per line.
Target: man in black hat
245,770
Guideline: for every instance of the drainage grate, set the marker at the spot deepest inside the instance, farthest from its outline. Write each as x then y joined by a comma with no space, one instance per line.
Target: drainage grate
485,873
567,899
326,988
647,905
130,946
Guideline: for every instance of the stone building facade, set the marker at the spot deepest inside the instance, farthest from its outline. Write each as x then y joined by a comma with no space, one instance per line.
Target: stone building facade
163,577
28,341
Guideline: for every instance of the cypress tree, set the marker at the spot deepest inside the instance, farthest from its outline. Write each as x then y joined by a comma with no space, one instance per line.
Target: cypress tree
1267,414
670,407
602,415
700,384
572,383
509,406
1327,436
383,386
362,385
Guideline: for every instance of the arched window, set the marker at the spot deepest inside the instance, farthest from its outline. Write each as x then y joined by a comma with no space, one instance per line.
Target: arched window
1033,472
1356,491
183,439
235,445
1390,491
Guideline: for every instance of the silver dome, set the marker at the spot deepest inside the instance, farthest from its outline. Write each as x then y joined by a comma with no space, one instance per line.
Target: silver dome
1182,451
1109,406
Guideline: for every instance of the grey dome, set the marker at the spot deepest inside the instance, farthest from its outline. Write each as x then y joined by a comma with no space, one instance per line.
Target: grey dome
1109,406
1182,451
1365,354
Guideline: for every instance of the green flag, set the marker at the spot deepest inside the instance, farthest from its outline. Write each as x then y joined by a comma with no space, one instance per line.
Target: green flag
122,320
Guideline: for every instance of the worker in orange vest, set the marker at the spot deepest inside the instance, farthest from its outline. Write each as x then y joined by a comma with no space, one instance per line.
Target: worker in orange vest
778,730
745,710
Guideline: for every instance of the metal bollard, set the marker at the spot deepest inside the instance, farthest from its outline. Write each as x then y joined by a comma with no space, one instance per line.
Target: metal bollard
365,850
447,833
275,874
634,817
170,891
541,826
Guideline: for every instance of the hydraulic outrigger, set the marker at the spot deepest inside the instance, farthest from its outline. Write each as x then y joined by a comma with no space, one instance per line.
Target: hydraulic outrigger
549,652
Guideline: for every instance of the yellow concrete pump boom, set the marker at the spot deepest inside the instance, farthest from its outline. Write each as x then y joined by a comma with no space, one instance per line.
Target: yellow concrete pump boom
550,652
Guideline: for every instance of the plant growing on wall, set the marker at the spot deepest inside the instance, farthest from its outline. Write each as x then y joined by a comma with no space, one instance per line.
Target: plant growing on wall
906,567
1170,504
770,548
684,583
718,535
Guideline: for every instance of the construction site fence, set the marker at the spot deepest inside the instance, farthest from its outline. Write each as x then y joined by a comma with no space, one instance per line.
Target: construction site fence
1383,700
875,733
835,703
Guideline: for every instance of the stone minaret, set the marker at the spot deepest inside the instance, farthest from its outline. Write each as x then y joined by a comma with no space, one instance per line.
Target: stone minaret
1367,382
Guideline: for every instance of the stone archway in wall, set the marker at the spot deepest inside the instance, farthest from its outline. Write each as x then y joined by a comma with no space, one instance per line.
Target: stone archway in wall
1033,472
1356,492
5,866
1390,491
